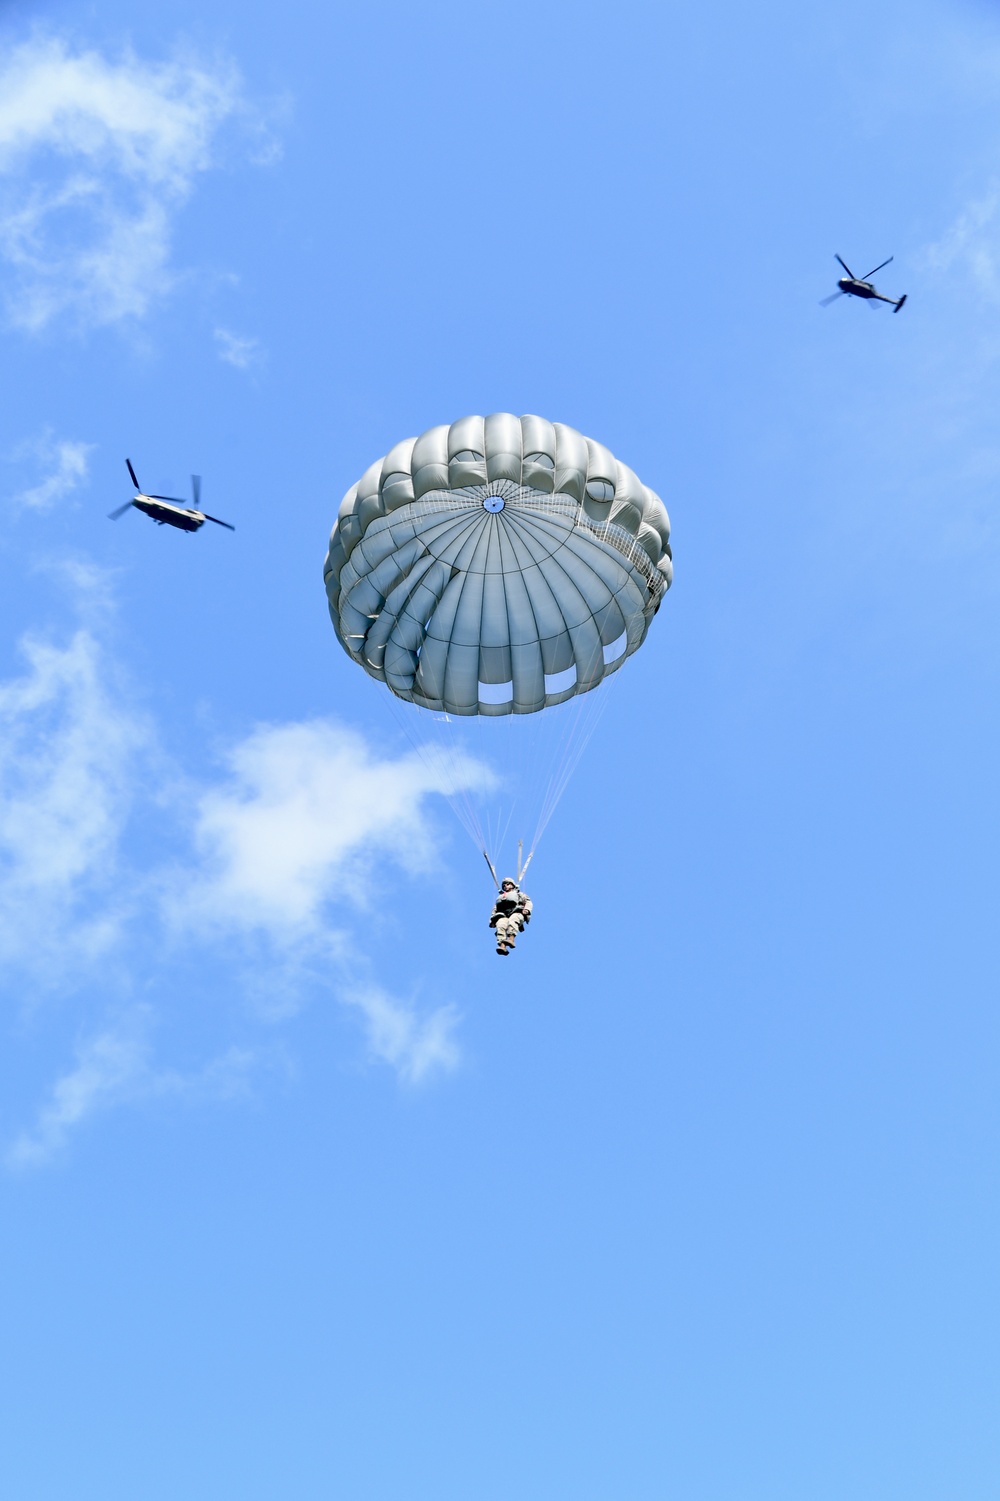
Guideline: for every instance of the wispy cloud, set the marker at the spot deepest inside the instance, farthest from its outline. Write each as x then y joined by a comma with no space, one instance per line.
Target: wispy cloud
68,749
282,848
96,156
116,1067
291,836
972,242
243,353
67,464
297,822
415,1046
108,1070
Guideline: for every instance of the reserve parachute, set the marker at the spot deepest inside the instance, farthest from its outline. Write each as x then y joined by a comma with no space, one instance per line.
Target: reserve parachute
498,568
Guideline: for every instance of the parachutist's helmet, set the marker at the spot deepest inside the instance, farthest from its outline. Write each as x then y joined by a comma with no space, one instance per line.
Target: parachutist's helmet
507,882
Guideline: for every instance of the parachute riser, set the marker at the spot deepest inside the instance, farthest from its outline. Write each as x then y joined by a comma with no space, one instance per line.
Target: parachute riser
522,870
493,873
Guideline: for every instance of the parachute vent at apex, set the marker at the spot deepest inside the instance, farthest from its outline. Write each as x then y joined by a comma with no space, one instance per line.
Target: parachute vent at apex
497,566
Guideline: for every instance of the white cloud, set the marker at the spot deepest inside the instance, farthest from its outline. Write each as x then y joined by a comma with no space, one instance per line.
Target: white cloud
115,1067
415,1046
67,761
973,243
284,848
108,1069
294,830
67,463
95,156
297,822
236,350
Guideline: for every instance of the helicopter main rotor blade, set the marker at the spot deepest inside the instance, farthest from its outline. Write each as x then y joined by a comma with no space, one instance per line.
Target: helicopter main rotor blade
114,515
196,490
132,474
218,522
877,268
846,267
825,301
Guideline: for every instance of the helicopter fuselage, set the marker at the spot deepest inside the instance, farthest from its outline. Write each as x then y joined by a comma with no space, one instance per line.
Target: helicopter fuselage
855,287
185,518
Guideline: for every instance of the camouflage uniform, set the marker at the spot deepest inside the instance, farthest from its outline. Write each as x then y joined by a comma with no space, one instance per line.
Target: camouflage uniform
511,911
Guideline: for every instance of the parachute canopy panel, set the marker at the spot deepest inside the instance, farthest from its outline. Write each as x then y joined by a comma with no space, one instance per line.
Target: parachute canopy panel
496,566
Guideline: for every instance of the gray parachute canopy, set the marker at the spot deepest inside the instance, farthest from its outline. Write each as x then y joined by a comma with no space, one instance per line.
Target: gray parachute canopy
496,566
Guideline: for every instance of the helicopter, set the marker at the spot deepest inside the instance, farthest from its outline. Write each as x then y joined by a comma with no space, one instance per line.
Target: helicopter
168,510
859,286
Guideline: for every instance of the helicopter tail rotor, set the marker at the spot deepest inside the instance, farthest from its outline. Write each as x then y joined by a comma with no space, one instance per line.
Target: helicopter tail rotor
899,304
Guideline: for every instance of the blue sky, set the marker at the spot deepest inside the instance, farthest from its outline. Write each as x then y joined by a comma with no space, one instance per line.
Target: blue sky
304,1192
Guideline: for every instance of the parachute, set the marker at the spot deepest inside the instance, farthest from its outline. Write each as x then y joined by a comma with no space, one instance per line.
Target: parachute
497,568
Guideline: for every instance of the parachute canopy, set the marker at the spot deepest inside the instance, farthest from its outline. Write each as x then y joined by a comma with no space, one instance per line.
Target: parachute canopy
497,566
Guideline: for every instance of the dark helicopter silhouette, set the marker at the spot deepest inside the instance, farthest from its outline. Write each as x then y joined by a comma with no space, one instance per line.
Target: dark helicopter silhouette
167,510
859,286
